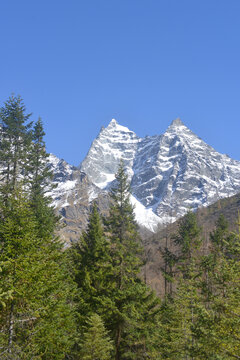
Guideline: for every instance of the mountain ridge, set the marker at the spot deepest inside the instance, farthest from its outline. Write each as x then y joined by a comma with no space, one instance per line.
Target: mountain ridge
169,173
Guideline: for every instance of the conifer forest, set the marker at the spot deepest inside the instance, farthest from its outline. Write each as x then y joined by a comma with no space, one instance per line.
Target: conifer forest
89,301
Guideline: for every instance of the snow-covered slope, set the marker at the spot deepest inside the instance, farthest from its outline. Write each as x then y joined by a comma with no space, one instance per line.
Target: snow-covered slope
169,173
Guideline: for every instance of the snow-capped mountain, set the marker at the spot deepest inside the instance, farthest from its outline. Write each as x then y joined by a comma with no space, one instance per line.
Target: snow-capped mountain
169,173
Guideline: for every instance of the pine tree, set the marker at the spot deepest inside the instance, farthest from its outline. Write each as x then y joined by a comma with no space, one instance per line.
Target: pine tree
135,306
92,269
96,344
188,242
38,162
24,161
40,178
170,260
15,142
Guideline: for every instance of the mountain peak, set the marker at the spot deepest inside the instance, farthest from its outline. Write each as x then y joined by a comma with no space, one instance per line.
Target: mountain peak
113,122
116,127
169,173
177,122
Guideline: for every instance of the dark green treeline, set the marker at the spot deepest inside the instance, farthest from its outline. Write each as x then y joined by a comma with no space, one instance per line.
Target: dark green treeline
88,302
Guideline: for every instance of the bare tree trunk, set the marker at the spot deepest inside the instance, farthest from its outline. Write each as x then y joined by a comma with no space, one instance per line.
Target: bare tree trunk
10,331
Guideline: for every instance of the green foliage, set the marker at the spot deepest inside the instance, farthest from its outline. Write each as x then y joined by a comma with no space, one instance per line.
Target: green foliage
46,293
24,162
202,320
188,241
92,269
40,182
35,315
96,344
106,270
36,309
134,305
122,230
15,142
221,290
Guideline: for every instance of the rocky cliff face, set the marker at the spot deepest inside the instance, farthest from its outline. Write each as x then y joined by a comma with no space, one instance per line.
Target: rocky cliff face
72,197
169,174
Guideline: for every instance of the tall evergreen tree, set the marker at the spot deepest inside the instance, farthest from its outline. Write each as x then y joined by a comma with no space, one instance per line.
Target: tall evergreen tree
135,306
170,260
92,269
38,162
187,241
40,178
15,142
24,160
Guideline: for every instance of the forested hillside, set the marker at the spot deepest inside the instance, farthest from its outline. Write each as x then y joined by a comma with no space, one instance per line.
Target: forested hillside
89,301
206,219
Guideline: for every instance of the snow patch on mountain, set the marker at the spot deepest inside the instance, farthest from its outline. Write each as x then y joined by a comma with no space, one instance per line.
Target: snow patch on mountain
144,216
61,193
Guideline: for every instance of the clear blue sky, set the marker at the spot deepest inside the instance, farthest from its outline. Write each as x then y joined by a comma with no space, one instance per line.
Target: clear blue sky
80,63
